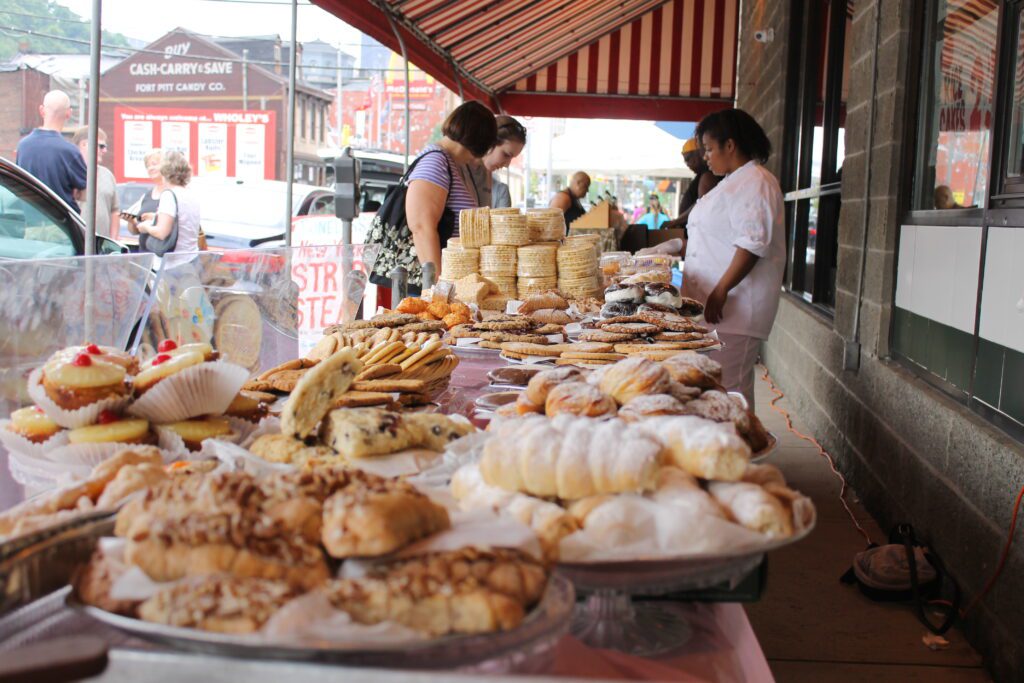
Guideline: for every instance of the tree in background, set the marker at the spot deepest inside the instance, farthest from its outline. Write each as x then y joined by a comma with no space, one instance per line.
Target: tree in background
50,19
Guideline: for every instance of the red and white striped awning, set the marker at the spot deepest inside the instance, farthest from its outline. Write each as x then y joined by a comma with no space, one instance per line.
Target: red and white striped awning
652,59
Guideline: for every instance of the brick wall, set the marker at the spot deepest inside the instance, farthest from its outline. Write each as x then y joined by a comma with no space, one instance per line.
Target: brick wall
761,72
24,90
910,453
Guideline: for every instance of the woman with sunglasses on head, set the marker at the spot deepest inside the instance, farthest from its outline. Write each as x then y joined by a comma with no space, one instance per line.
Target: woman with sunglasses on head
480,173
736,252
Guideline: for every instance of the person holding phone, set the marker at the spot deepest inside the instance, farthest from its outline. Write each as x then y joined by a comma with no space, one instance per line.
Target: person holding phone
145,208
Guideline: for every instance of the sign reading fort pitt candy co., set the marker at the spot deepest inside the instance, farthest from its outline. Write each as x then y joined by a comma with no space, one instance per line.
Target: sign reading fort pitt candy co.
184,67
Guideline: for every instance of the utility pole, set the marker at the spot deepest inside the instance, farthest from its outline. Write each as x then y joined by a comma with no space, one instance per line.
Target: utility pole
245,80
338,110
290,156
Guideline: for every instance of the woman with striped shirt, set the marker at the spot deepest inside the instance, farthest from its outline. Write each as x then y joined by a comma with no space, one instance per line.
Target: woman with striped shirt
437,191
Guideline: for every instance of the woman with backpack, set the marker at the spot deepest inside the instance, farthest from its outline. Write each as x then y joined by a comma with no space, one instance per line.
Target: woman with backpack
422,212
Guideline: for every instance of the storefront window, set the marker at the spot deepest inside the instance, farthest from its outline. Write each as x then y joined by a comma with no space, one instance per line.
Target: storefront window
956,104
1015,139
815,141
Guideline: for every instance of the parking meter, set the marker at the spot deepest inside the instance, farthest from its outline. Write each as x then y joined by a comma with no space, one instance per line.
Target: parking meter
346,191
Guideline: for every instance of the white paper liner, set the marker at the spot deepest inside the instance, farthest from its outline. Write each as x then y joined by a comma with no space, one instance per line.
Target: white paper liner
71,419
312,618
92,454
39,474
236,458
13,441
204,389
405,463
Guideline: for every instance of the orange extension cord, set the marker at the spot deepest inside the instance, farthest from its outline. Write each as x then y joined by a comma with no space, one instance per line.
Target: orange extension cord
842,496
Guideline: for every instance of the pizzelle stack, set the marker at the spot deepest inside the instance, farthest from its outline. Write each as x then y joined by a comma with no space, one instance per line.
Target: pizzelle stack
523,254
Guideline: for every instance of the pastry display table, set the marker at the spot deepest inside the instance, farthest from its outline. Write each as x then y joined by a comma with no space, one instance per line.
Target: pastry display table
723,648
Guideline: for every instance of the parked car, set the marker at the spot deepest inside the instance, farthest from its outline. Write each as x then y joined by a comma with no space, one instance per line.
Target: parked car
240,214
36,224
378,172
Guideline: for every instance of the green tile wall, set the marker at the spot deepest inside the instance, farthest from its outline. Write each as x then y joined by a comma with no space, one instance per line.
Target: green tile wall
947,353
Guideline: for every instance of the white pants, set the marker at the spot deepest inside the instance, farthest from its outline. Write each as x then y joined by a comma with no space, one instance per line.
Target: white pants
738,356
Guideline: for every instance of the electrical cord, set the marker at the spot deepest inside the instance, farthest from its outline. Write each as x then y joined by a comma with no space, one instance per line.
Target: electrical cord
842,498
821,451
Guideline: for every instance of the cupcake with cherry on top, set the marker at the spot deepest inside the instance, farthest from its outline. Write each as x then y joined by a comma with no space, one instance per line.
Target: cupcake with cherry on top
172,348
83,379
107,354
162,366
194,432
112,428
32,424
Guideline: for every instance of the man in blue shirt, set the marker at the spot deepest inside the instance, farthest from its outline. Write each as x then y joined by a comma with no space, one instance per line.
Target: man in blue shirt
48,156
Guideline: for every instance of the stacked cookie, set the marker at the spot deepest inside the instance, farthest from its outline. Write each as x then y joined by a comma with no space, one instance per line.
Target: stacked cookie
498,330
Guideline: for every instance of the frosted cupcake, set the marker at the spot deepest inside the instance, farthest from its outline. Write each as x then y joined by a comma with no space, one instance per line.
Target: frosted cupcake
113,429
33,424
163,366
83,379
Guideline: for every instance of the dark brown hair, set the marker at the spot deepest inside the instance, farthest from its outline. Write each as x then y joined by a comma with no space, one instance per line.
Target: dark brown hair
740,127
472,125
509,129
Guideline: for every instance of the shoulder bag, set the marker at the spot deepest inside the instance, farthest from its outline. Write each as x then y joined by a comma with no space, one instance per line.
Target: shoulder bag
390,229
155,245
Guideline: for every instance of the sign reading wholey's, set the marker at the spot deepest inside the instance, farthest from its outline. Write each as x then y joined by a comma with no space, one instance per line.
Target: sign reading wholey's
185,92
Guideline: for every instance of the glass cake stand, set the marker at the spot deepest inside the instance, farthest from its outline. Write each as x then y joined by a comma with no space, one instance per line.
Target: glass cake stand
609,618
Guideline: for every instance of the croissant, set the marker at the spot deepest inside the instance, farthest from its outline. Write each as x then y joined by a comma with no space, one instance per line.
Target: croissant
633,377
578,398
570,457
753,507
549,521
705,449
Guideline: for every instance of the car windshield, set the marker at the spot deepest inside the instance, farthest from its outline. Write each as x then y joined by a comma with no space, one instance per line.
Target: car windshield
29,227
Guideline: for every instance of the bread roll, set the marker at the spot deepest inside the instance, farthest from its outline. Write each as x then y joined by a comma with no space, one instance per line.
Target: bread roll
650,405
694,369
543,382
632,377
577,398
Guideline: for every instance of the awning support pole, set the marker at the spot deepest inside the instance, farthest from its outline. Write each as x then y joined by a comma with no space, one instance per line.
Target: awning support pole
95,38
405,58
290,154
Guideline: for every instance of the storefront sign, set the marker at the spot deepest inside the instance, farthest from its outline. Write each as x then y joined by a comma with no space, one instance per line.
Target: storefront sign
221,143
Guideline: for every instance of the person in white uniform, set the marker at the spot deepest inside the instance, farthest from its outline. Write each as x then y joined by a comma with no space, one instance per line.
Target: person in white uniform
736,254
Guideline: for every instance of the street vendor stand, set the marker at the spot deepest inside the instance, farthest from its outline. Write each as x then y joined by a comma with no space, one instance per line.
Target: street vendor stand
259,308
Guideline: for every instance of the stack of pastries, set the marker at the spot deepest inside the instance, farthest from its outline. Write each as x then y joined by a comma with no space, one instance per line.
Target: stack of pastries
638,388
571,473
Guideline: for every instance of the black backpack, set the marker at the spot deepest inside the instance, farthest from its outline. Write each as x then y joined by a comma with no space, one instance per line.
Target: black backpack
390,230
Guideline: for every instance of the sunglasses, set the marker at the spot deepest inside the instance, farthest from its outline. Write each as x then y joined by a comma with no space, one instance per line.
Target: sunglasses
102,145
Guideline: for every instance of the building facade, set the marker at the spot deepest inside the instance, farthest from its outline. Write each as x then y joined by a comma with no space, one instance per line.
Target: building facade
897,131
185,92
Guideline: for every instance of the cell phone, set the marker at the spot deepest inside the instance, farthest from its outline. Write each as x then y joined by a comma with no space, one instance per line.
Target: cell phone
129,216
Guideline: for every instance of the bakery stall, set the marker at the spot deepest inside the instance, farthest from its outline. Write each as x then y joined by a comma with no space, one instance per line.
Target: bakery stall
211,466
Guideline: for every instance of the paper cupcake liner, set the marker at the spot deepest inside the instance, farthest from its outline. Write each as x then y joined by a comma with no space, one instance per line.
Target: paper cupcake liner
91,454
170,441
204,389
39,474
71,419
14,442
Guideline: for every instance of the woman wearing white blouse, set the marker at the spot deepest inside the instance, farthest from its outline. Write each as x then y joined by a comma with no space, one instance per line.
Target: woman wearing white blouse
736,254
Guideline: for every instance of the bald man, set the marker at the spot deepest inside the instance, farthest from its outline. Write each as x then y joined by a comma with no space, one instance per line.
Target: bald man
568,200
47,155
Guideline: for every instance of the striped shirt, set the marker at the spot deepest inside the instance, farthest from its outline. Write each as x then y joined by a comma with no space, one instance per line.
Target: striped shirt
442,170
